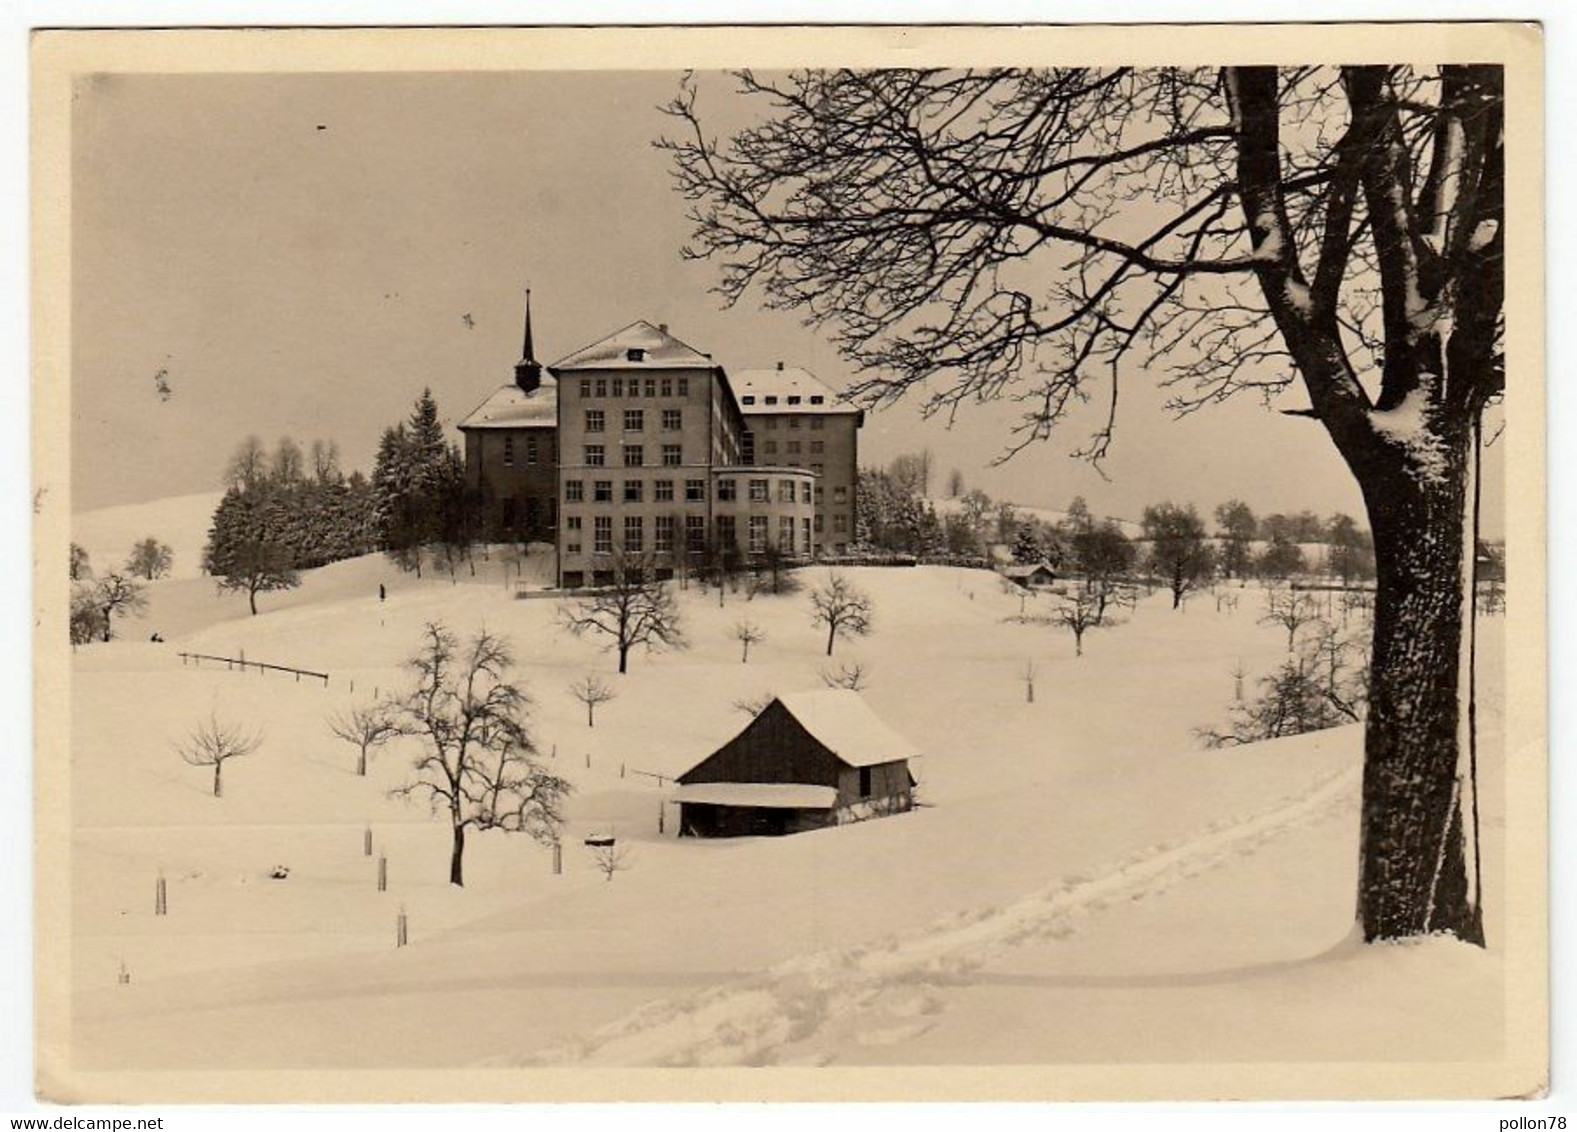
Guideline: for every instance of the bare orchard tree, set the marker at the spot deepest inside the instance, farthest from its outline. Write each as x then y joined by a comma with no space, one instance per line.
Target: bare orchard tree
634,609
366,727
116,595
1292,611
748,633
849,677
1233,229
842,607
755,705
610,857
1079,612
478,765
213,743
591,691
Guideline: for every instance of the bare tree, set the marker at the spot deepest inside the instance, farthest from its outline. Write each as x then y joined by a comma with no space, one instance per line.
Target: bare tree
850,677
842,607
1029,681
1292,611
1079,612
213,743
150,559
248,467
478,764
610,857
116,595
1178,550
1244,227
591,691
635,609
748,633
365,727
955,484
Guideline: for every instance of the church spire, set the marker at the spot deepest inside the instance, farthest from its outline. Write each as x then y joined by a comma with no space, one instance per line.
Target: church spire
528,371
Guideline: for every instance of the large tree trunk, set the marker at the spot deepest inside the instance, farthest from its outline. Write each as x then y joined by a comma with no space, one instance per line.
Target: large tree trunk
218,780
1413,867
457,857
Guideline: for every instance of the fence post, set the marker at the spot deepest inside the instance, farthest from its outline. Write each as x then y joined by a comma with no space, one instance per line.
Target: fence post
558,858
402,934
161,902
366,842
383,872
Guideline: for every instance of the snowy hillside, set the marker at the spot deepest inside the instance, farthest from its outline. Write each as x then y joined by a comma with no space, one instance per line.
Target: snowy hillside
182,521
1077,856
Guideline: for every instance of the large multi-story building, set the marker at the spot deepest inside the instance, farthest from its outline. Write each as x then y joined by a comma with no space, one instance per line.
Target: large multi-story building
638,445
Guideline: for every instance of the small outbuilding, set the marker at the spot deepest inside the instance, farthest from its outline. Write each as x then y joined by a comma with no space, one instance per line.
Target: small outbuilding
808,761
1030,574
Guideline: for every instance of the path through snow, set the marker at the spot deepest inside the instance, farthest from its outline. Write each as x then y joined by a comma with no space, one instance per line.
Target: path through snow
748,1023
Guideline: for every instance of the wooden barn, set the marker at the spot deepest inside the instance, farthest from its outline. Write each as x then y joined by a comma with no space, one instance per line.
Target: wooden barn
809,760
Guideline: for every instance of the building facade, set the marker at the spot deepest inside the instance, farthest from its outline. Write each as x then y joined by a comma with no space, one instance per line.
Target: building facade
792,418
511,453
638,446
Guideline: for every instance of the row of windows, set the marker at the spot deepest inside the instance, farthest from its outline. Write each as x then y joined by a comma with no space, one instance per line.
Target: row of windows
760,490
771,423
596,455
634,491
634,420
664,529
792,447
635,386
792,399
533,449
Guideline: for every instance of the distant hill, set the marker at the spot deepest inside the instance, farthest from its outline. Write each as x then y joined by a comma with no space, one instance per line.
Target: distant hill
182,521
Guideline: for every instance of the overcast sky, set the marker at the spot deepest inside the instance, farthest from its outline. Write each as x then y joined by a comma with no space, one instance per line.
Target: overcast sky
299,252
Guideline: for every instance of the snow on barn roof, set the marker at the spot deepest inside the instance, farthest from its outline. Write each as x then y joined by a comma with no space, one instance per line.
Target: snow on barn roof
512,407
1021,570
639,345
765,795
843,722
786,390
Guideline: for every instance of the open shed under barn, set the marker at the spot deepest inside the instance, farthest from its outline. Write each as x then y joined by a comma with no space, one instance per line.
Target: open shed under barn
808,760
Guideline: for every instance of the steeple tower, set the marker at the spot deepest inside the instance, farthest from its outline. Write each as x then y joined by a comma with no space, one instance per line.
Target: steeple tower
528,371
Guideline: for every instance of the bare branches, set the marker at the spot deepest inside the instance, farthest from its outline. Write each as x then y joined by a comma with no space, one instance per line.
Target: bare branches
843,608
365,727
591,691
748,633
213,744
477,763
848,677
635,609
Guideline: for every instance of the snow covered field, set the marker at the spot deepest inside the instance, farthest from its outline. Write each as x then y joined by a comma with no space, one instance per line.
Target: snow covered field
1083,883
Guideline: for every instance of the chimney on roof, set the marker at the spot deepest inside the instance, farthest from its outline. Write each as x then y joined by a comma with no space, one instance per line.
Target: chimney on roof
780,367
662,328
528,371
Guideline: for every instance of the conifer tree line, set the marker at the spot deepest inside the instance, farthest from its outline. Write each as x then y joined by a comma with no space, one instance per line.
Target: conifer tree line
286,510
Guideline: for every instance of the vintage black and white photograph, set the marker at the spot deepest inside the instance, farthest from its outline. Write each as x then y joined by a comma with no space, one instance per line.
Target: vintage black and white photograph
834,556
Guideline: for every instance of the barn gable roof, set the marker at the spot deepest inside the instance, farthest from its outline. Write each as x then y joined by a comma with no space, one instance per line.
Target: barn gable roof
844,723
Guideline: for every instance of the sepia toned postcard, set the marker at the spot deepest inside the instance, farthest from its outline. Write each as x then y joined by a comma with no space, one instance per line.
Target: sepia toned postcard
873,563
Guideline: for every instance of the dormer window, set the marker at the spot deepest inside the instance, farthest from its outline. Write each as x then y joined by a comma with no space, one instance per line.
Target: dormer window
816,399
793,401
748,399
772,400
635,354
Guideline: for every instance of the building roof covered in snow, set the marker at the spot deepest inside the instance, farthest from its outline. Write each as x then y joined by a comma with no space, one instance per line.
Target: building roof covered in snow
766,795
844,723
1023,571
786,389
511,407
638,346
